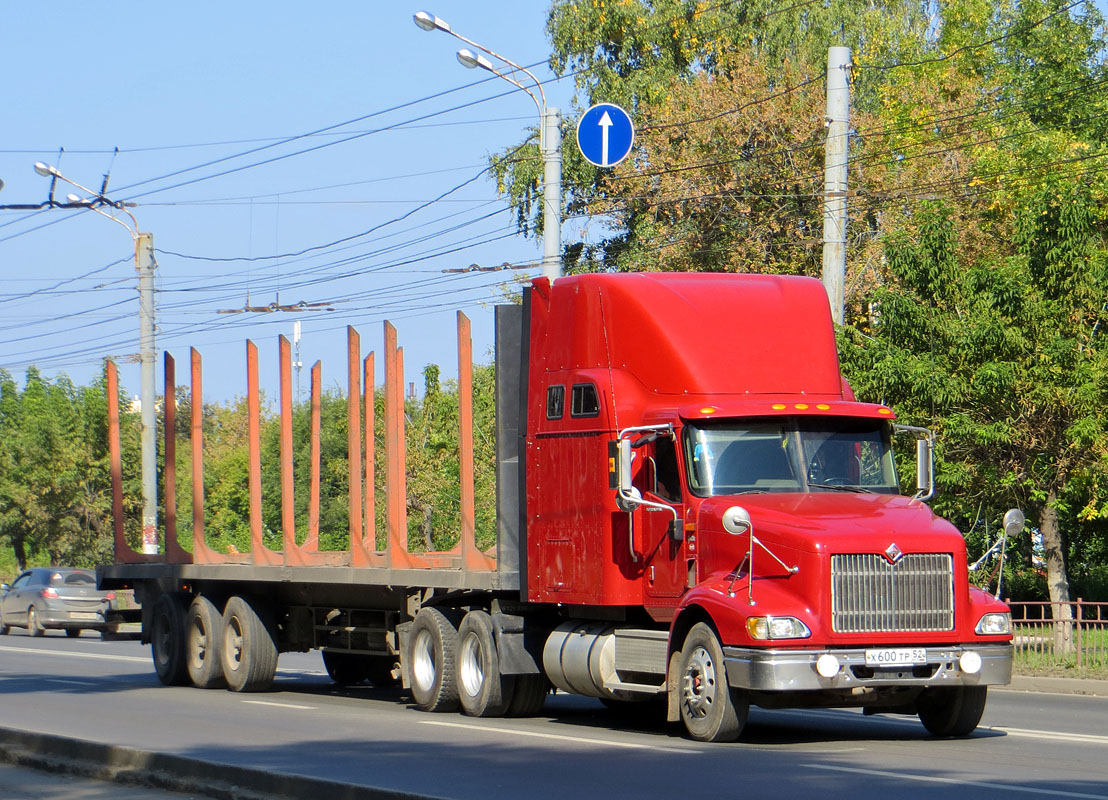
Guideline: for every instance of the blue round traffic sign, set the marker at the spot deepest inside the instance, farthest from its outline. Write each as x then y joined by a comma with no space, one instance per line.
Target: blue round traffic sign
605,135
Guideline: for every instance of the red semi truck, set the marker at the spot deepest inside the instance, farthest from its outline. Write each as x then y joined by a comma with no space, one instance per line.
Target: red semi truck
692,508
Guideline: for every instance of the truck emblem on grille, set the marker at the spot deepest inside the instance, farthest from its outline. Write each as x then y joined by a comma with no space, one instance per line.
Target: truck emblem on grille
893,553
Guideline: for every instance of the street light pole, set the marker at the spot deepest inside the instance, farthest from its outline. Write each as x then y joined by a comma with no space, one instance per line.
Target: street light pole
144,265
550,139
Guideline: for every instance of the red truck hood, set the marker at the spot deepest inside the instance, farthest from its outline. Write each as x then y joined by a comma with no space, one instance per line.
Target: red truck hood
838,522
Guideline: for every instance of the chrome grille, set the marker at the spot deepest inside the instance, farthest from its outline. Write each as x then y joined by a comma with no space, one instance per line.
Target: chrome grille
870,595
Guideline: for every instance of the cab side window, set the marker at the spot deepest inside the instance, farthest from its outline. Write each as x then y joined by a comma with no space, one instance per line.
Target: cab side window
555,401
586,401
665,464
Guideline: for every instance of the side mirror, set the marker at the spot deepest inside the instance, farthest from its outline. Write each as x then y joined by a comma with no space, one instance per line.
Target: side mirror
627,495
736,521
4,587
925,460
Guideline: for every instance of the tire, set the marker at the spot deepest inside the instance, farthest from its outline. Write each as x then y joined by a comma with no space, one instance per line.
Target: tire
167,639
482,690
248,650
528,696
382,671
4,629
711,711
346,669
431,650
33,626
203,635
72,633
953,711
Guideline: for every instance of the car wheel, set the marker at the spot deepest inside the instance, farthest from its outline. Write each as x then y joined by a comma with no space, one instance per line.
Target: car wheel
72,633
4,629
33,626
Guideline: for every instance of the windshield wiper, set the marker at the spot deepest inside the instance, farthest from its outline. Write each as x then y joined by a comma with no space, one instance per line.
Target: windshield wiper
842,487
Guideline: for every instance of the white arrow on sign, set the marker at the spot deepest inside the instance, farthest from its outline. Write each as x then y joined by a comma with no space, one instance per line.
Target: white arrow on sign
605,123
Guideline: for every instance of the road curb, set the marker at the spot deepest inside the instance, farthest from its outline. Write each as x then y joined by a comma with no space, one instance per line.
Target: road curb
1033,683
130,766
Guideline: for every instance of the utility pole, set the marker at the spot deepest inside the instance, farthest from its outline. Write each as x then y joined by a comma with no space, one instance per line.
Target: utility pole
551,140
144,264
834,178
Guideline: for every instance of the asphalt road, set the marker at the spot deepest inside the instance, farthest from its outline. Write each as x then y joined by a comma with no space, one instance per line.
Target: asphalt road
1029,745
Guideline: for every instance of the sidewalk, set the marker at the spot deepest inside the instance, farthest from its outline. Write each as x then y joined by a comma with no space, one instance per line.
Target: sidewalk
1034,683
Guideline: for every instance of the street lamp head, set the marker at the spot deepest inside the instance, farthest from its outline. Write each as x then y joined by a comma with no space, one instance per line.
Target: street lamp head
429,22
470,60
45,170
73,198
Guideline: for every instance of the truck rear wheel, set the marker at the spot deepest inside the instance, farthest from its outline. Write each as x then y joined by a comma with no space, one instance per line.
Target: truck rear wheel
711,711
528,695
203,632
482,690
952,711
167,639
432,647
247,650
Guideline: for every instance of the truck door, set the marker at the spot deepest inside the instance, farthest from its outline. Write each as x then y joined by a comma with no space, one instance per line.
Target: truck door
662,541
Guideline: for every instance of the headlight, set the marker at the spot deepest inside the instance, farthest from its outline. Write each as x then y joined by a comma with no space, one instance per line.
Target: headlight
776,628
996,624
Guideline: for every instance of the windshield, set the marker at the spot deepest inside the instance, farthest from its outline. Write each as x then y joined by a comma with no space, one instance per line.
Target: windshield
790,454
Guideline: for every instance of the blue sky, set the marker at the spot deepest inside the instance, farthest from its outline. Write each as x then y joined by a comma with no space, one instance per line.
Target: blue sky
179,86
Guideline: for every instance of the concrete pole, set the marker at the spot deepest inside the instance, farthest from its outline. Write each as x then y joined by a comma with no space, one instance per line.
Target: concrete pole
551,193
834,181
144,263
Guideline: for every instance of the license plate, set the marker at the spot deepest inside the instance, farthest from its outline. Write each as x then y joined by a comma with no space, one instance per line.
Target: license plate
83,615
896,656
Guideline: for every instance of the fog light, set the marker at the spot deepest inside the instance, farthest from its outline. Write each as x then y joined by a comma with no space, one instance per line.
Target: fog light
970,662
827,666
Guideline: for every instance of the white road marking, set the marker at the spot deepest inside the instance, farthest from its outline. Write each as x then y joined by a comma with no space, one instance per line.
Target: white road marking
73,683
1006,787
279,705
1080,738
560,738
73,654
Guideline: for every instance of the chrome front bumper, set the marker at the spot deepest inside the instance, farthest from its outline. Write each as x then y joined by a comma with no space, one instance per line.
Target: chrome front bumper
795,670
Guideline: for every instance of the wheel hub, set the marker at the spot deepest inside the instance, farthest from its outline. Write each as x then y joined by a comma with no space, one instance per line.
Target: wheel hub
699,687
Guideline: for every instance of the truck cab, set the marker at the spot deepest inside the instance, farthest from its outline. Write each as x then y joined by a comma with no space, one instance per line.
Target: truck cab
696,463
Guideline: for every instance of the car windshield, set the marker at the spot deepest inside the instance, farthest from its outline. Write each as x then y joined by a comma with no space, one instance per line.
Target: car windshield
790,454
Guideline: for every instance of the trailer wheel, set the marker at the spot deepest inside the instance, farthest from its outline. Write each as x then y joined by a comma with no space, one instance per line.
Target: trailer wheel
952,711
482,690
247,650
711,711
528,696
167,639
432,645
203,632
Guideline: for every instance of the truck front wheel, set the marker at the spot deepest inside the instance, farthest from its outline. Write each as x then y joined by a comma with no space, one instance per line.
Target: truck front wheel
482,690
431,652
952,711
248,650
711,711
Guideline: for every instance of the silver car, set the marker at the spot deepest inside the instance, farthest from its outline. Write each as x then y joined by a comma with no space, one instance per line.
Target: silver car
45,598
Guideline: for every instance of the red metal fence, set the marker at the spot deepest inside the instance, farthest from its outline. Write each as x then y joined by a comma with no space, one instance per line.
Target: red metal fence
1049,634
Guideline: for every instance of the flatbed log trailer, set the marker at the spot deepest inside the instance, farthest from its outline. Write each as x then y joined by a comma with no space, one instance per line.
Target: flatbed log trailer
691,507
